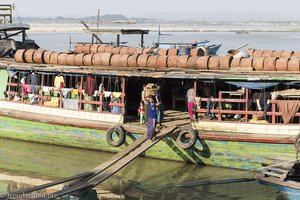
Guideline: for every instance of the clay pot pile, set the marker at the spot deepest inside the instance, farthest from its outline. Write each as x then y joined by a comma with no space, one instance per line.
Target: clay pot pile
272,53
137,58
89,48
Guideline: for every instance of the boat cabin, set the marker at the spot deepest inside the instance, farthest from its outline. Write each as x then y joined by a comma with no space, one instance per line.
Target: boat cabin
227,102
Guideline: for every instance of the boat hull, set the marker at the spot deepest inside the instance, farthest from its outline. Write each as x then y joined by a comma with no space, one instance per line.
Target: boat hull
233,154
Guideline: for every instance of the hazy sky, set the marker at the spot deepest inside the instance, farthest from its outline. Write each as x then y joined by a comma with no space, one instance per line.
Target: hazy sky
138,8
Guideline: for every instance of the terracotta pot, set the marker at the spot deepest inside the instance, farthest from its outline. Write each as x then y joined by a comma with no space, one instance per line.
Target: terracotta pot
101,48
202,62
294,64
192,62
116,50
47,55
258,63
197,52
172,52
146,50
133,60
94,48
54,58
152,61
140,50
246,62
28,55
78,48
213,63
70,59
235,62
88,59
267,53
78,59
123,60
282,64
143,60
250,52
124,50
86,48
132,50
276,54
162,62
296,54
114,60
19,55
102,59
225,62
182,61
287,54
108,49
257,53
163,51
38,56
61,58
172,61
270,64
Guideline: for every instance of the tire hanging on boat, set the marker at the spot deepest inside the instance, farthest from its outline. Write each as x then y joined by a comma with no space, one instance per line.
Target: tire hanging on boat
120,132
186,143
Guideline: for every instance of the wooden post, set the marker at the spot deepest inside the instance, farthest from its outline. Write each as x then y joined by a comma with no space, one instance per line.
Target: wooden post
220,104
195,88
123,95
273,113
118,39
247,103
101,102
80,89
142,40
42,84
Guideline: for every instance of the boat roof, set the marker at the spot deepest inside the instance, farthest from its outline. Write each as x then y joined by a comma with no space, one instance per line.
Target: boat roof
14,27
172,73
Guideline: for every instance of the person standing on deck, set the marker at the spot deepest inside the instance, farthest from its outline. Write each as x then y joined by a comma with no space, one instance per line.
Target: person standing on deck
190,95
144,99
151,118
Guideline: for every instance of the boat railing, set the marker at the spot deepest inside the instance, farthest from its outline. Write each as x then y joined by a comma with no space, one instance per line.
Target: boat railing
6,12
219,110
13,88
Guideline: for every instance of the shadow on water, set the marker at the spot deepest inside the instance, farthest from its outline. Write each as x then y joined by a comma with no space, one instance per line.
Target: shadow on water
194,154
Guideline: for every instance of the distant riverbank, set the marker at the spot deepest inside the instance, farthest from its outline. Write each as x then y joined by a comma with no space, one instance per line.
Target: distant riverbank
172,27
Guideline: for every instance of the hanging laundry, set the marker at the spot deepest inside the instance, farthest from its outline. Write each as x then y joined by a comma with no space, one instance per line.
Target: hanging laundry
59,82
26,89
34,79
66,91
71,104
89,86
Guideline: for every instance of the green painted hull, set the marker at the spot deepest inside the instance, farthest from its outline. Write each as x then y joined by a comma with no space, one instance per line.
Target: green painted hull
241,155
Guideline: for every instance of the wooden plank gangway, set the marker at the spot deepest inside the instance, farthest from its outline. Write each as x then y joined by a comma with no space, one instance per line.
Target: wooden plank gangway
82,183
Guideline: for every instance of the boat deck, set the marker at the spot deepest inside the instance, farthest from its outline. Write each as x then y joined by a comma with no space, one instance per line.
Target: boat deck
172,118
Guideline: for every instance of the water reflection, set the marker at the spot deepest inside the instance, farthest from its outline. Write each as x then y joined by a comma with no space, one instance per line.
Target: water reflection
144,178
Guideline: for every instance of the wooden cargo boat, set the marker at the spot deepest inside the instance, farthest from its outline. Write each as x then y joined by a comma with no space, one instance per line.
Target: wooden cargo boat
222,140
282,175
77,99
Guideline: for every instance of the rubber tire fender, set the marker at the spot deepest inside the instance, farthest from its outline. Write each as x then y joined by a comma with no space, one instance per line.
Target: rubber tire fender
191,142
120,131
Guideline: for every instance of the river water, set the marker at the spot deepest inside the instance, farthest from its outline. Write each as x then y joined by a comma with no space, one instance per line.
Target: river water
143,178
229,40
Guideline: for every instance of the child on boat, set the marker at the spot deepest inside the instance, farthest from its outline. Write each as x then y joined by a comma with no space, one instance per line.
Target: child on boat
141,112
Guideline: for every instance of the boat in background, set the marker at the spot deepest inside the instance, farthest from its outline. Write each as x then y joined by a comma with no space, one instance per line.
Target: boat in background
282,175
212,49
242,32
